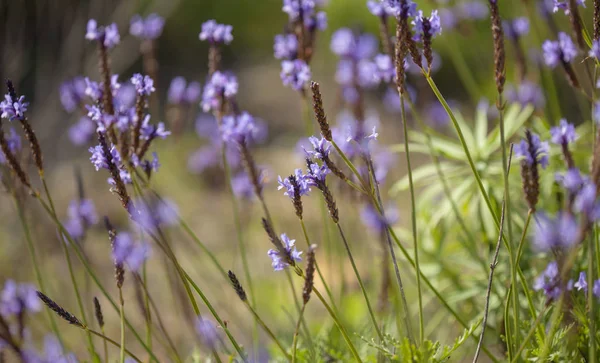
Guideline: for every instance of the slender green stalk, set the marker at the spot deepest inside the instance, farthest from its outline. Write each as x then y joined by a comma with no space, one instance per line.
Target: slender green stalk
105,344
507,326
591,300
36,265
296,330
523,235
299,309
268,330
360,283
148,316
122,318
107,339
413,215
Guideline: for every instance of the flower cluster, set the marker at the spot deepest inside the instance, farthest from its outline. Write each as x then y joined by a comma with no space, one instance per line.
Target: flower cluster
181,92
144,85
81,215
279,262
216,33
564,5
13,109
533,151
424,27
18,298
149,28
128,251
220,86
560,51
564,133
14,145
108,35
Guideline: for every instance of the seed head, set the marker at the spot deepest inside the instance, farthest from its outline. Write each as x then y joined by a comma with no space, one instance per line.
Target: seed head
297,197
310,274
98,312
70,318
320,111
237,286
499,53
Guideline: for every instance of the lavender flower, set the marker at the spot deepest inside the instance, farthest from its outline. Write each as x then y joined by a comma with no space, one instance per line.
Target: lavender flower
596,288
238,129
216,33
13,109
372,219
316,174
581,283
564,133
516,28
586,201
18,298
82,215
385,71
303,184
475,10
285,46
127,251
381,8
564,5
548,281
536,151
14,145
526,93
402,8
100,161
109,34
154,214
207,333
149,131
559,232
72,93
242,186
295,74
321,148
572,180
434,22
144,85
149,28
560,51
346,44
279,262
55,353
221,86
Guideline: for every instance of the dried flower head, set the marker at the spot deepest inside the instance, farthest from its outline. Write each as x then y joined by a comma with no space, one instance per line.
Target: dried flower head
310,274
70,318
534,152
98,312
237,286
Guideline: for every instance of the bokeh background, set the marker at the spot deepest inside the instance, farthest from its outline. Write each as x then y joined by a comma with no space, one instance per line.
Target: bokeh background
42,45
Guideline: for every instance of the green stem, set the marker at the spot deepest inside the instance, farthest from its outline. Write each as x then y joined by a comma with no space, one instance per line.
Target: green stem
296,330
147,306
105,344
299,309
360,283
413,221
267,330
122,316
107,339
591,300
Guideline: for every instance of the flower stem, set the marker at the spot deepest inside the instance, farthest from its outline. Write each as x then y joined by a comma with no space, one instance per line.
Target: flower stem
107,339
295,341
122,315
258,319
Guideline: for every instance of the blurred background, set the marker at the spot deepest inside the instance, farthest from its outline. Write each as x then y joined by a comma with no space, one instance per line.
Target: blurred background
42,46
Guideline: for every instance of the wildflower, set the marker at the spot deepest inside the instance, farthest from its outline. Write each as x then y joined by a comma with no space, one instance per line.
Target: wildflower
144,85
207,332
424,27
385,71
564,133
595,51
517,27
581,283
280,262
372,219
596,112
109,34
561,51
346,44
100,161
401,8
321,148
18,298
14,145
475,10
316,174
533,150
149,28
221,86
72,93
559,232
379,8
586,201
572,180
242,186
526,93
548,281
127,251
596,288
564,5
238,129
214,32
295,74
13,109
285,46
149,131
302,181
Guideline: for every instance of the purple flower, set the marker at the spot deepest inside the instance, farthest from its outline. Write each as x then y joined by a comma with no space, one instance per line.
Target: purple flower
193,92
207,332
149,131
372,219
596,112
564,133
14,145
54,352
476,10
295,74
13,109
564,5
385,68
562,50
316,174
596,288
93,90
18,298
572,180
321,148
279,262
517,27
176,92
144,85
285,46
559,232
396,8
581,283
149,28
548,281
72,93
83,209
434,23
220,86
302,180
128,252
586,201
238,129
109,34
380,8
533,149
100,160
526,93
214,32
345,43
242,186
595,51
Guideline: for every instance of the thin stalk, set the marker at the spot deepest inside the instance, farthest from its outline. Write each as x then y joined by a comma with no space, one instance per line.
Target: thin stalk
299,309
529,335
507,326
591,300
523,235
268,330
105,344
107,339
122,318
413,215
360,283
147,307
339,325
36,265
295,341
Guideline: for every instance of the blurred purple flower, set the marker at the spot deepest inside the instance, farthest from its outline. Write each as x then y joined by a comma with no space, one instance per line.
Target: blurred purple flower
128,252
285,46
381,8
214,32
385,68
475,10
559,232
527,92
207,332
14,145
144,85
581,283
220,86
549,281
295,74
149,28
516,28
55,353
346,44
560,51
242,186
109,34
412,68
99,160
418,29
176,92
564,133
595,51
372,219
72,93
436,114
395,7
564,5
279,262
586,201
596,288
149,131
538,150
238,129
572,180
17,298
